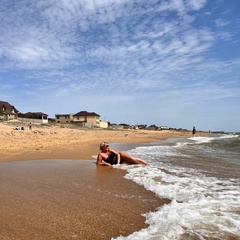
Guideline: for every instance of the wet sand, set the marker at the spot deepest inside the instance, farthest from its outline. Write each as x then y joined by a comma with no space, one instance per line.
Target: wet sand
70,199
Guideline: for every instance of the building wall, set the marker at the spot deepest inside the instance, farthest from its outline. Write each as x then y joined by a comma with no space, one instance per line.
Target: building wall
94,120
64,118
33,120
83,124
103,125
164,128
79,119
8,117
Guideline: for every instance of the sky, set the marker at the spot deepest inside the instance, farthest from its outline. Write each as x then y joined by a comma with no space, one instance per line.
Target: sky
170,63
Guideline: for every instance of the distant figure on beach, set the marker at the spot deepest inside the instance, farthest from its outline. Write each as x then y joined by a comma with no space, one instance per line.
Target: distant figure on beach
108,157
30,126
193,131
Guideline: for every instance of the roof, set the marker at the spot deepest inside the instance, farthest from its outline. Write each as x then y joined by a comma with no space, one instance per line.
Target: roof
62,114
85,113
7,107
36,114
52,119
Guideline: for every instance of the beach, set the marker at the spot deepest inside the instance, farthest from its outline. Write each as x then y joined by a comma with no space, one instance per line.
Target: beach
65,142
51,187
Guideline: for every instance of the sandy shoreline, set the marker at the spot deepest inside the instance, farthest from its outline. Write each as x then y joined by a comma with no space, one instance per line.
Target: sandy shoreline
69,199
57,142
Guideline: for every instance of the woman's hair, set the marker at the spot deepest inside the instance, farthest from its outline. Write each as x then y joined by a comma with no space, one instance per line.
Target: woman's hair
102,145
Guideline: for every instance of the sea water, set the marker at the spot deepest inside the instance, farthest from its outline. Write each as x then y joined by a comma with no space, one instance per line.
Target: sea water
201,177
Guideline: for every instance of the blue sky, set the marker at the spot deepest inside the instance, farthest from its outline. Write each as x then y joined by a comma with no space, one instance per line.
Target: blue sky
165,62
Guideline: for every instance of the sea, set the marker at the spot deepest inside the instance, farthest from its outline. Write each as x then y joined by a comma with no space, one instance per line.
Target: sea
201,177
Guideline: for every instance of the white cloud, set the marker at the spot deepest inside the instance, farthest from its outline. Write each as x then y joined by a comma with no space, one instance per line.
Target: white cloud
116,52
196,5
221,22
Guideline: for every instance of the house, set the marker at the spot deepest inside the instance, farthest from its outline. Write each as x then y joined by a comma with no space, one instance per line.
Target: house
87,117
83,118
7,111
64,118
164,128
37,117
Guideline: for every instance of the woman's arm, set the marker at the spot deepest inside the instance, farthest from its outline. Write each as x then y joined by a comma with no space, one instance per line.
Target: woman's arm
101,162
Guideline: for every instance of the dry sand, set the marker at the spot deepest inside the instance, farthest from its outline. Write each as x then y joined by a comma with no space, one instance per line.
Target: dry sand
69,199
59,142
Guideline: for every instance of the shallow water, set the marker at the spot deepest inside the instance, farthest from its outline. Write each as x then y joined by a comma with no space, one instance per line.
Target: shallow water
201,176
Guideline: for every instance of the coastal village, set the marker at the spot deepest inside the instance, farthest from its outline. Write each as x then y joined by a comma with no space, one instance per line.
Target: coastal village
79,119
33,135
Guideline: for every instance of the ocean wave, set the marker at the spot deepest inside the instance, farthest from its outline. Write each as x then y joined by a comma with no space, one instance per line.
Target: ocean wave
203,204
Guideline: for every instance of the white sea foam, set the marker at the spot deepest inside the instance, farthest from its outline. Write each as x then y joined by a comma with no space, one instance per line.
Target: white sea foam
202,206
229,136
202,139
198,202
156,152
209,139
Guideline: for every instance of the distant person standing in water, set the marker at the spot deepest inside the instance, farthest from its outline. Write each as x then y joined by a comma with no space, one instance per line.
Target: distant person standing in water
193,131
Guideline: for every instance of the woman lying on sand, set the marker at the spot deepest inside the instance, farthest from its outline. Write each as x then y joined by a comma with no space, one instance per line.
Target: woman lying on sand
108,157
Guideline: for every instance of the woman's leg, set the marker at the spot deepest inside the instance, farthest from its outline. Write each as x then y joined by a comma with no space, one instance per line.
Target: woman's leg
131,159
